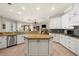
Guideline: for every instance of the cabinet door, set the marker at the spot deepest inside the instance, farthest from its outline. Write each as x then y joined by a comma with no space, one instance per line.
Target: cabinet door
14,27
62,39
3,42
72,45
77,46
33,48
43,48
65,21
55,23
66,41
56,37
20,39
8,26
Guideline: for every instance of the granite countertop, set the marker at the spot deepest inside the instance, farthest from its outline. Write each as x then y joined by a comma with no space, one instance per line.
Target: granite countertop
37,36
71,35
10,33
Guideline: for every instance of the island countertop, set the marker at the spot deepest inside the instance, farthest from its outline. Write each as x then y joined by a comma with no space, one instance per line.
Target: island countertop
37,36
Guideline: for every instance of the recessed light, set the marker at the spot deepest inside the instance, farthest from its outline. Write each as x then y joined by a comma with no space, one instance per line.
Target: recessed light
19,12
52,8
23,8
38,8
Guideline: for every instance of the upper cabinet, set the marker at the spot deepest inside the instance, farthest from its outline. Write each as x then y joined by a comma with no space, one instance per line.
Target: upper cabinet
55,23
66,21
7,25
75,17
13,26
71,18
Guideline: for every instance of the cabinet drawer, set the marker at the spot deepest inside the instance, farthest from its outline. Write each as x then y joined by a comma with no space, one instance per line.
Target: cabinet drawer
3,42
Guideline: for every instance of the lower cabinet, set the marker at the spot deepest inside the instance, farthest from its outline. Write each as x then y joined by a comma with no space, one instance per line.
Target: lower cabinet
43,48
38,48
33,47
56,37
3,42
62,40
20,39
77,46
70,43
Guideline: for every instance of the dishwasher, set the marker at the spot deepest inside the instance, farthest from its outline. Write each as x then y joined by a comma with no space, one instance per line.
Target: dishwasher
11,41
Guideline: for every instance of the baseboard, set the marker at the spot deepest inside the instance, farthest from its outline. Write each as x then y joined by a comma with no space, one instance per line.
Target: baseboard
12,45
20,43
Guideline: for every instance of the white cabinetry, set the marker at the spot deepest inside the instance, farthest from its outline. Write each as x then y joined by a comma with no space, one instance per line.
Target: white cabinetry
70,43
14,27
56,37
20,39
33,47
74,15
38,47
3,42
77,46
55,23
43,47
62,39
75,19
65,21
8,26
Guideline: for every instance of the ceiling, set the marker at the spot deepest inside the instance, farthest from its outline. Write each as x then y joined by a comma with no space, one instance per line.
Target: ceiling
28,12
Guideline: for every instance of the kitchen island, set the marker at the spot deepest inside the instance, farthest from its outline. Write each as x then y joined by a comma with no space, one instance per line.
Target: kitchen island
38,45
